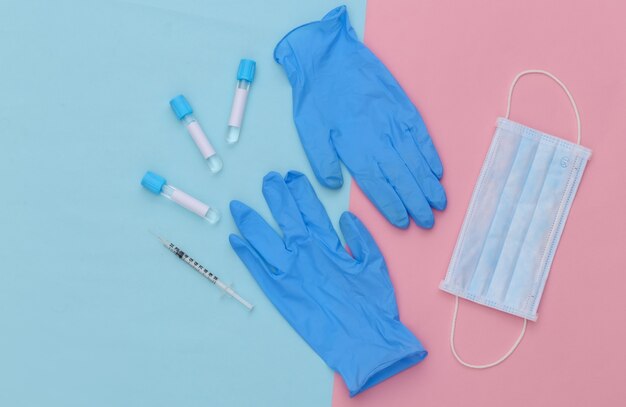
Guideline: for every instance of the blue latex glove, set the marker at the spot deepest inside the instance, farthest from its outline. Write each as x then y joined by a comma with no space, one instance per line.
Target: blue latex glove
347,106
343,306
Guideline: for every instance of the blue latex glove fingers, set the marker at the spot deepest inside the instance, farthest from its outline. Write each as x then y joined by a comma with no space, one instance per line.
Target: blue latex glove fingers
284,208
260,270
376,187
406,147
425,144
366,251
312,210
409,191
319,149
261,236
362,246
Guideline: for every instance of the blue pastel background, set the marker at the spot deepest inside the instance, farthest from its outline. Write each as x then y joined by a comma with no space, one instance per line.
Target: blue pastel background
93,311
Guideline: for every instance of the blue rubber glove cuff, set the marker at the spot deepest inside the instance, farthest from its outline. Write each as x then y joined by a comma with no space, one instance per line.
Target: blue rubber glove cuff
365,364
319,37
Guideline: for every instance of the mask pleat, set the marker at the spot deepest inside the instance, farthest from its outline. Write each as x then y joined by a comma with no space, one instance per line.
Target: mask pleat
520,222
499,161
533,251
504,214
515,219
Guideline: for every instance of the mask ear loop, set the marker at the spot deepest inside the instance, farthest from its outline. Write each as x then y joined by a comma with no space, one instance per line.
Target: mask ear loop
488,365
554,78
456,304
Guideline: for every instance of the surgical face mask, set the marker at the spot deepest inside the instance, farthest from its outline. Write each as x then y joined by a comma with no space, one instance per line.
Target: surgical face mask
515,219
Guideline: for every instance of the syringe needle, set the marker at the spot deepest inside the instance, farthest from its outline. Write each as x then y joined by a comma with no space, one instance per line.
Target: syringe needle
202,270
163,241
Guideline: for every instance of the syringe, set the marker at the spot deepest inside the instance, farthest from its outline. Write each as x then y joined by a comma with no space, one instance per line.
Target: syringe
206,273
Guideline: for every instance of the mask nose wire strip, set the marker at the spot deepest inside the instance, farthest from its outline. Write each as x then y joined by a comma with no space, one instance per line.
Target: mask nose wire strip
488,365
554,78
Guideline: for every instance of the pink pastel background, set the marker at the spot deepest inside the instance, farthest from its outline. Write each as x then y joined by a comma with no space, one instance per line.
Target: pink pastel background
456,60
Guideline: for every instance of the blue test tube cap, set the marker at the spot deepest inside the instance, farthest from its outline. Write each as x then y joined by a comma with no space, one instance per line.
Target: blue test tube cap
153,182
246,70
181,107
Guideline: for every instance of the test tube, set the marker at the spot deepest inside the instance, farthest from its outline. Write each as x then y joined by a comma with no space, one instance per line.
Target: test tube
183,111
158,185
245,76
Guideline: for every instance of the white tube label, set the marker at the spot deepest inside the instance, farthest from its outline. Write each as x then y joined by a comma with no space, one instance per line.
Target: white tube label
239,106
190,203
201,140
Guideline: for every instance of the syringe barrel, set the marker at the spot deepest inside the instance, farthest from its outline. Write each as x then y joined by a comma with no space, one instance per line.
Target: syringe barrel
190,203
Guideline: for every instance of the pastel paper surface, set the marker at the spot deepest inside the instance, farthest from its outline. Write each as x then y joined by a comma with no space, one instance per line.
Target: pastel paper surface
93,311
456,60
